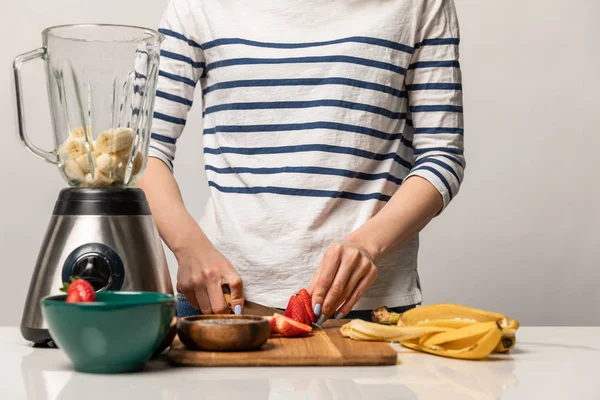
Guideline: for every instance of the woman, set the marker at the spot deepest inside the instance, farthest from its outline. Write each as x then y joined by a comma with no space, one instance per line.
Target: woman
333,134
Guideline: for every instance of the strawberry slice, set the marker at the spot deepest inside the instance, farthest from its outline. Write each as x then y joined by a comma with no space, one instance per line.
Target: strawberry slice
291,328
306,300
295,310
273,324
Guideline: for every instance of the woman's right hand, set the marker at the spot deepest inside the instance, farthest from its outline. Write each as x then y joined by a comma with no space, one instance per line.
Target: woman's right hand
202,269
202,273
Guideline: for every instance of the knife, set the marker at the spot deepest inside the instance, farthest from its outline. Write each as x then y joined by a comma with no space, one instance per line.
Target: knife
250,307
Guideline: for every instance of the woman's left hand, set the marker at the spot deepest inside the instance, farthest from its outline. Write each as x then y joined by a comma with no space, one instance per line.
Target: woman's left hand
345,273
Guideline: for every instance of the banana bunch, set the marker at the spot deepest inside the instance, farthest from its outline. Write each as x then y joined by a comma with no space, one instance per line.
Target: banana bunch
102,162
447,330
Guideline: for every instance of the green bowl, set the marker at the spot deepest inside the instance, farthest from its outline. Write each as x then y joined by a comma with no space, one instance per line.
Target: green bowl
117,333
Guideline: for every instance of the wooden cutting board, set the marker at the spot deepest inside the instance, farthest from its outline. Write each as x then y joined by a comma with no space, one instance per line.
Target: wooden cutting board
323,347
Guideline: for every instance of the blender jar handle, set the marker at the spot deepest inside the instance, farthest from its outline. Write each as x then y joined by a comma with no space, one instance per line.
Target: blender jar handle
17,64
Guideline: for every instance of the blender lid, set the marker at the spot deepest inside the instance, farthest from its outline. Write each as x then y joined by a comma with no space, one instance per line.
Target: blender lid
104,201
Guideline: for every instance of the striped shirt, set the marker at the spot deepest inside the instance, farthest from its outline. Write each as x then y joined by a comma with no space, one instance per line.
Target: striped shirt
315,111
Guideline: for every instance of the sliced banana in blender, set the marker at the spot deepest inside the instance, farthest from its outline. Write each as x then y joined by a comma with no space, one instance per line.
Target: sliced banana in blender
114,141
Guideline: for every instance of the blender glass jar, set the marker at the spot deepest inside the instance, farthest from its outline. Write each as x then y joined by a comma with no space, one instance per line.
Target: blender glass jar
101,82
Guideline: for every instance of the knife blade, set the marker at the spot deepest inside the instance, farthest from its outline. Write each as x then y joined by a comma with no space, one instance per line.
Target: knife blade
250,307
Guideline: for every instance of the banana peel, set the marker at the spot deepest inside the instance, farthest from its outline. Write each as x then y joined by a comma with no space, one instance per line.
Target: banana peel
447,330
457,315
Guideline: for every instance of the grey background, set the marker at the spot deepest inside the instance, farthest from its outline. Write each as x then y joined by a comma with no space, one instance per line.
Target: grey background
521,238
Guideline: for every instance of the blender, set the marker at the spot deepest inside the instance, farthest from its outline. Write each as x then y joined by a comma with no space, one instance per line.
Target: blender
101,82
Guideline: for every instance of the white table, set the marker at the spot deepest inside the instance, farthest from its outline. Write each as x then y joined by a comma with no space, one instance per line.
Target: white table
548,363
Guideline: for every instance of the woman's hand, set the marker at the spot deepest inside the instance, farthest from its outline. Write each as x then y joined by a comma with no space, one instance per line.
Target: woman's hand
202,269
200,278
345,272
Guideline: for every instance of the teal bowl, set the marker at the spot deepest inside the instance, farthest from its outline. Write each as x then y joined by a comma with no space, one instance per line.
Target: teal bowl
117,333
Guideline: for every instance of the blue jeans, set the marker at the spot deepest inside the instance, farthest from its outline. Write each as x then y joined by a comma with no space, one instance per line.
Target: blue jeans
185,309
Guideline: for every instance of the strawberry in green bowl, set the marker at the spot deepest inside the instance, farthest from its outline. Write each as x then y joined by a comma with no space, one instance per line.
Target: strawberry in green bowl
113,332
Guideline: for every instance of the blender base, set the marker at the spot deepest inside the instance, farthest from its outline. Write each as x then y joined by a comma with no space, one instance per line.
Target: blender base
39,337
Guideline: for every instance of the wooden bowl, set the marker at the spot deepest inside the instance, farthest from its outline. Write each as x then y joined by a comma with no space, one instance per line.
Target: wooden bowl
223,332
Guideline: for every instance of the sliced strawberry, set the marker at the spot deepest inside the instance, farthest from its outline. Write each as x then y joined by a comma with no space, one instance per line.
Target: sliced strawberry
295,310
288,309
306,300
291,328
273,324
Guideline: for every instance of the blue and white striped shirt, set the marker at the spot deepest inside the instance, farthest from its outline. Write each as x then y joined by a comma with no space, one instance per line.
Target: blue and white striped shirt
314,113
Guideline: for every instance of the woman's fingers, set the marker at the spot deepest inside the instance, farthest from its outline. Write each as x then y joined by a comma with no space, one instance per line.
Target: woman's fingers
348,275
203,300
363,284
216,296
324,277
357,274
188,292
236,291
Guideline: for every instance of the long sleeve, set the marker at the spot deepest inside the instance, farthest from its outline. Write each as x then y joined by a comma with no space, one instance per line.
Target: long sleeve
181,66
435,99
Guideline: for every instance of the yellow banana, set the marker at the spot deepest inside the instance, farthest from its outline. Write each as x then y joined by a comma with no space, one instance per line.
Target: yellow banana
467,348
457,315
460,338
107,163
73,147
78,132
362,330
84,161
74,171
448,330
136,167
98,180
114,141
447,311
456,323
138,163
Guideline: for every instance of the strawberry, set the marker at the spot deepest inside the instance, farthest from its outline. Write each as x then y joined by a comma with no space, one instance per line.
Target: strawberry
289,327
79,291
295,310
273,324
306,300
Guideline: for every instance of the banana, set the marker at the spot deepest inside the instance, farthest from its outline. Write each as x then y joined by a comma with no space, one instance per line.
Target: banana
74,171
457,315
362,330
447,330
84,161
466,348
78,132
460,338
107,163
446,311
114,141
138,163
73,147
98,180
125,153
456,323
472,342
110,155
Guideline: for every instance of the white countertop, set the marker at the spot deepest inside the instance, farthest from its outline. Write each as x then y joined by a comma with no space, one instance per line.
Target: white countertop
548,363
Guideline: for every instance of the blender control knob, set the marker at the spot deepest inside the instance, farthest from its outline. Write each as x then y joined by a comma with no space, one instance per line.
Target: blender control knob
98,264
